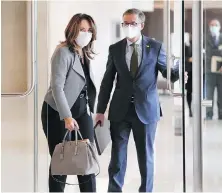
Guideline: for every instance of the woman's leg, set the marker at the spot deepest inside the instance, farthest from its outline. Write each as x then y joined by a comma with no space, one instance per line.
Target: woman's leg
87,183
54,132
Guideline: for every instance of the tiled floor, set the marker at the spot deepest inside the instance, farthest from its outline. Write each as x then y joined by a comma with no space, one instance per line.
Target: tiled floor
17,156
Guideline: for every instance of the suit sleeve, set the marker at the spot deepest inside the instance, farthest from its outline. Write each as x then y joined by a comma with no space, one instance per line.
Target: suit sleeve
162,66
59,69
107,84
216,52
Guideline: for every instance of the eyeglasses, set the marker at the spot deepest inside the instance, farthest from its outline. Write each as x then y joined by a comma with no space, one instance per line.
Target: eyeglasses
133,24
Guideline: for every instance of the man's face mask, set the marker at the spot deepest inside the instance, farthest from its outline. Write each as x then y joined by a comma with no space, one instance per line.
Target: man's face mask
187,39
215,30
131,32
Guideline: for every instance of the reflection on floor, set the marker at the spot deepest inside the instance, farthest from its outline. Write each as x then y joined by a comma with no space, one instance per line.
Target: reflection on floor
17,159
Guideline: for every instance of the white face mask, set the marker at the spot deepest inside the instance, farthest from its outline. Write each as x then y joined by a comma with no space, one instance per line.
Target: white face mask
131,32
187,39
215,30
83,38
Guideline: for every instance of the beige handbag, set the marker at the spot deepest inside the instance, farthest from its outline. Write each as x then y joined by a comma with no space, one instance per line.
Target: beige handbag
74,158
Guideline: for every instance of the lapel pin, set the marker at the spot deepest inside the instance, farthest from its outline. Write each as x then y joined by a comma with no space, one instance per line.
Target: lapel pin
147,46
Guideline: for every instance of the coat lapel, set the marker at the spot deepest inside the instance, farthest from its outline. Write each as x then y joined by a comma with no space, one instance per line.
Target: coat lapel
88,63
77,66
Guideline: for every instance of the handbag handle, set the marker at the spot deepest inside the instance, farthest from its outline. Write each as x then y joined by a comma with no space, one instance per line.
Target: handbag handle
76,135
76,141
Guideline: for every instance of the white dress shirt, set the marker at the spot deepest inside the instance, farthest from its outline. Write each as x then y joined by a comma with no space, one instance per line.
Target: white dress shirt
129,51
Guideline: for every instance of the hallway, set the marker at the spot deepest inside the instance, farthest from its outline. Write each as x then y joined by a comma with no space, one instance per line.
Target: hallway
17,156
31,30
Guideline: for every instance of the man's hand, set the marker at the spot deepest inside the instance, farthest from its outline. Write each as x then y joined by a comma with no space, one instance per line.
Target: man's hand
190,60
100,118
220,70
185,77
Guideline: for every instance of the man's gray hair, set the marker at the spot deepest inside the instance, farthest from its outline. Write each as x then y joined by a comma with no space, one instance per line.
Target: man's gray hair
137,12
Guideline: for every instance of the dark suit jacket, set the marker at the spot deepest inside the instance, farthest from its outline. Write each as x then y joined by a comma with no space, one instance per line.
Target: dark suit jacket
211,50
143,87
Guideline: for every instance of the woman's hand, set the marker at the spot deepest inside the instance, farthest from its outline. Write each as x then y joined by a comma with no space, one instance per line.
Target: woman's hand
71,124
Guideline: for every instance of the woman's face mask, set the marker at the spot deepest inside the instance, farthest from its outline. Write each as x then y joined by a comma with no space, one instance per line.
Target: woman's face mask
83,38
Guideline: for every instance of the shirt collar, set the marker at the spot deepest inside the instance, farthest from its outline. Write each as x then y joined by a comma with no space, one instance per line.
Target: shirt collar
138,42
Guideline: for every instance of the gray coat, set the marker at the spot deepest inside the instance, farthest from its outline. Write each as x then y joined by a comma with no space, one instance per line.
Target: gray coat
67,82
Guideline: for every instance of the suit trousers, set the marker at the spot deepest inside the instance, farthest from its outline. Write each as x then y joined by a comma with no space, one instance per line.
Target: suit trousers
214,80
144,136
54,130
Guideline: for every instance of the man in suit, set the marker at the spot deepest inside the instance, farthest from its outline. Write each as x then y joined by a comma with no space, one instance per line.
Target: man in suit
188,68
213,79
135,106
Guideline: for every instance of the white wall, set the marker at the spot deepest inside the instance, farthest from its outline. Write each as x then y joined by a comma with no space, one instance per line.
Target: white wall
17,119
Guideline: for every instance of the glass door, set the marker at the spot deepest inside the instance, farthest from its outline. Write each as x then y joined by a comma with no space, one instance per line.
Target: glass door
212,87
174,41
203,21
24,58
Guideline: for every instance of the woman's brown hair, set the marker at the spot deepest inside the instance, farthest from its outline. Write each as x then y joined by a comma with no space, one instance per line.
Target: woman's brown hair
72,31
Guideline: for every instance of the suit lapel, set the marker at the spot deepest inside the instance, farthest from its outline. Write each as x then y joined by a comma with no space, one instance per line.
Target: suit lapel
220,39
145,54
210,39
122,54
77,66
